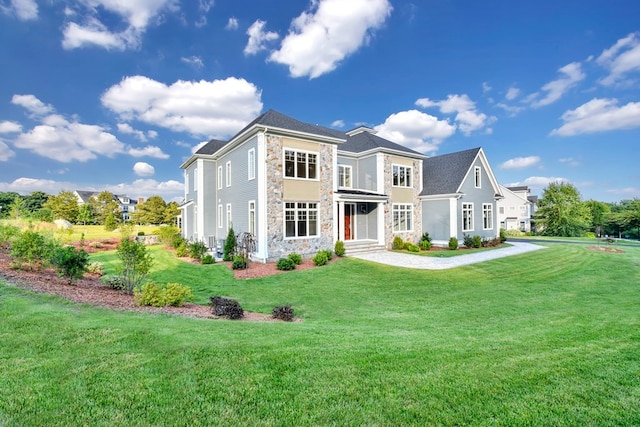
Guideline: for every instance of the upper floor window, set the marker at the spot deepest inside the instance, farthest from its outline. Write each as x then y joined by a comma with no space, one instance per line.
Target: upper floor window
501,210
402,217
487,216
229,174
467,217
300,164
251,163
344,176
219,177
477,176
220,218
402,176
195,179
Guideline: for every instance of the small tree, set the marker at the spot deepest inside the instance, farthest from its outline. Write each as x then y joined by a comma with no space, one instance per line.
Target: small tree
70,262
230,246
136,263
110,222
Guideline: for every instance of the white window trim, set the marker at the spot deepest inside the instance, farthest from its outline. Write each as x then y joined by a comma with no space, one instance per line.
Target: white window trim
228,173
251,164
252,209
472,219
487,207
296,151
186,183
220,177
350,169
220,216
284,220
409,174
229,217
396,207
195,179
477,176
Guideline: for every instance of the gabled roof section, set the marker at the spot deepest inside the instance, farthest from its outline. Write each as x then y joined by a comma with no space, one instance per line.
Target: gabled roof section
367,141
211,147
444,174
85,196
514,194
274,119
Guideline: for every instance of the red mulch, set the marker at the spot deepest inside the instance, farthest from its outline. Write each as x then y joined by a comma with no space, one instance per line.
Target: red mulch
608,249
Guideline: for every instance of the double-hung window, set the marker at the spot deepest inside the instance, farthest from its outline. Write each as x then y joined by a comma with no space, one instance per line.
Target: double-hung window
220,216
300,164
229,220
229,174
219,177
402,217
251,163
467,217
487,216
300,219
477,176
252,217
401,176
344,176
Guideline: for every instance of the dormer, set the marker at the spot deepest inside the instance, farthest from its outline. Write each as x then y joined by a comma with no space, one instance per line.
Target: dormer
361,129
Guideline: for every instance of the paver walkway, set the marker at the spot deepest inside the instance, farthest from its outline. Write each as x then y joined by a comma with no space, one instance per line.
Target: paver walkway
433,263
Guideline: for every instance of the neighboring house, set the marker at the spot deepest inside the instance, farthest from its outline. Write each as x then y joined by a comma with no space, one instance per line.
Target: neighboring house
126,205
516,209
299,187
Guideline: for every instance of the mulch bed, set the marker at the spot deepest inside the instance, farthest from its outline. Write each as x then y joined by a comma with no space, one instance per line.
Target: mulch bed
607,249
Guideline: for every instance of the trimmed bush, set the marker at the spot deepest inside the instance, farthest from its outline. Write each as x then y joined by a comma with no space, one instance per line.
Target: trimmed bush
320,258
196,250
176,294
285,264
411,247
113,281
226,307
208,259
296,258
239,262
173,294
425,245
140,233
339,248
476,241
453,243
398,243
503,235
175,240
284,312
181,250
328,253
467,240
230,246
70,262
96,268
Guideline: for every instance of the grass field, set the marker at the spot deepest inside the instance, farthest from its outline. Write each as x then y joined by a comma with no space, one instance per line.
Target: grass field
550,337
73,234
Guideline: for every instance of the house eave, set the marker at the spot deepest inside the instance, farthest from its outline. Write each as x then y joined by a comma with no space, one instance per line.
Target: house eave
441,196
382,150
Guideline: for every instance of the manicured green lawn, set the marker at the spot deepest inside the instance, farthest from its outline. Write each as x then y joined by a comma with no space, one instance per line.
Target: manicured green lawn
550,337
447,253
90,232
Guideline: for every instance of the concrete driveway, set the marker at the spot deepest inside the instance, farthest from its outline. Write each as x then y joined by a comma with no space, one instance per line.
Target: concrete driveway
399,259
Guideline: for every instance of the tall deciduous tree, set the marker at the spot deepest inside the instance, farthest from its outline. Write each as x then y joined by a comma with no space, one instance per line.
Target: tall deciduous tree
561,212
64,206
104,205
34,201
171,213
5,201
599,215
151,211
85,214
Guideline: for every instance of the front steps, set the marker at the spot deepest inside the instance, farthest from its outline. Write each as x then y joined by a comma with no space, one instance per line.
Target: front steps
353,247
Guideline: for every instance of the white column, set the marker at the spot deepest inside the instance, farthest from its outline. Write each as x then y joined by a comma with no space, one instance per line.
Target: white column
341,220
261,203
453,217
381,223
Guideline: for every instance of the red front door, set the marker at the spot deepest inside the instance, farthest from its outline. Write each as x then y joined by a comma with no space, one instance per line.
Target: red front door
348,218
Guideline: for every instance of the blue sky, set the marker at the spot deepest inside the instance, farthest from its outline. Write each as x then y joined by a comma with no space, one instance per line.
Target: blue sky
116,94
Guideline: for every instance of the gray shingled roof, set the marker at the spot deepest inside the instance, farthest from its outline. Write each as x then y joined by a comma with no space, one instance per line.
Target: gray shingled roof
365,141
518,188
275,119
444,174
85,195
211,147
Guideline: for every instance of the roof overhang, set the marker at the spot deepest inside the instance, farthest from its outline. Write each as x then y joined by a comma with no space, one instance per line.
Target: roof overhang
382,150
186,204
359,196
441,196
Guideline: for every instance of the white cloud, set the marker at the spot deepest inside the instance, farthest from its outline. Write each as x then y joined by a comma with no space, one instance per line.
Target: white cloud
469,119
620,59
203,7
511,110
599,115
148,151
338,124
136,15
197,146
627,191
416,130
5,152
10,127
537,183
556,88
569,161
213,109
512,93
65,141
258,38
232,24
520,162
485,87
33,104
24,10
152,134
194,61
127,129
29,185
143,169
327,33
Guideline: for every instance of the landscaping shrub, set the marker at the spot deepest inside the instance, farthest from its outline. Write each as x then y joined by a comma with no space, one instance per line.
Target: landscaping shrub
197,250
7,233
487,242
285,264
175,240
328,253
284,312
320,258
149,294
136,263
339,248
140,233
411,247
208,259
69,262
467,240
110,222
32,248
453,243
96,268
96,245
176,294
503,235
239,262
296,258
114,281
230,246
181,250
425,241
476,242
398,243
225,307
590,235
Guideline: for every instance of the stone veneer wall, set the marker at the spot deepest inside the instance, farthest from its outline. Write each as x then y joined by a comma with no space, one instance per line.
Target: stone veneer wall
415,235
277,246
